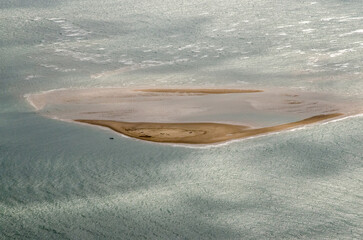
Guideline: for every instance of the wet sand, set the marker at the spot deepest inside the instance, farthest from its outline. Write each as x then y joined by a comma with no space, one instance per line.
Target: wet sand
196,133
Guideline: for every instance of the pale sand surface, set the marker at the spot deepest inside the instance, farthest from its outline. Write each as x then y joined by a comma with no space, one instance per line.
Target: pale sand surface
193,116
200,90
196,133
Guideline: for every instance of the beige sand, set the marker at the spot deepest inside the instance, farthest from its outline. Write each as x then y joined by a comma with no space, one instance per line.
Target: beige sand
199,90
196,133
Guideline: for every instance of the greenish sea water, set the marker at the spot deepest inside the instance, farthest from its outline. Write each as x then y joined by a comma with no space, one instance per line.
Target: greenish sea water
60,180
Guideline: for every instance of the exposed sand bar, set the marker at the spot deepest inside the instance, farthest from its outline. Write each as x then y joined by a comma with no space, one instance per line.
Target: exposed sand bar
190,115
200,90
196,133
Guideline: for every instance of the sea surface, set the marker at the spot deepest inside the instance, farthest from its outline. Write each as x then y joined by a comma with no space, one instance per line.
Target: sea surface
60,180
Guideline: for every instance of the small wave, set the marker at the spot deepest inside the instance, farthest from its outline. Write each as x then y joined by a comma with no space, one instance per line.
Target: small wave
186,47
283,47
30,77
229,30
284,26
327,19
341,52
308,30
358,31
350,19
304,22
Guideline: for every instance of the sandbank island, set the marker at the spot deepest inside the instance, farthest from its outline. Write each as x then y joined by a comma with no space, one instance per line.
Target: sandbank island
189,115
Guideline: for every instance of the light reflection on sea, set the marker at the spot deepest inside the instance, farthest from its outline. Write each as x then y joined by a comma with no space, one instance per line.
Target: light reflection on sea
64,181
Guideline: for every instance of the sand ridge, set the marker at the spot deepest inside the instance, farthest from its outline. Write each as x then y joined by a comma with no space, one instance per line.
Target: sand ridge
198,90
196,133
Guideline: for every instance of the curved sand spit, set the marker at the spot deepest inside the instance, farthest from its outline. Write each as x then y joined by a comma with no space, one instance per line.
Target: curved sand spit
196,133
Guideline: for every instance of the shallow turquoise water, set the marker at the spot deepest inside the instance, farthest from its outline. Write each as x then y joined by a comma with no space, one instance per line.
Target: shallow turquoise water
64,181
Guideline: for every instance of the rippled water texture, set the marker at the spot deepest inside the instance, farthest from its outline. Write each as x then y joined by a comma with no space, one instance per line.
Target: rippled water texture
65,181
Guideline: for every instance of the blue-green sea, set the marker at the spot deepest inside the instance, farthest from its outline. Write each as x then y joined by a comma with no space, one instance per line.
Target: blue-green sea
60,180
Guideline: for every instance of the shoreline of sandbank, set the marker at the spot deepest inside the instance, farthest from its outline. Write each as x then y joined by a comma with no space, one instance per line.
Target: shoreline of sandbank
197,133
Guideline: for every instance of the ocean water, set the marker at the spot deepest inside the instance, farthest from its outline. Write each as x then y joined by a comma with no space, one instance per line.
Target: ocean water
60,180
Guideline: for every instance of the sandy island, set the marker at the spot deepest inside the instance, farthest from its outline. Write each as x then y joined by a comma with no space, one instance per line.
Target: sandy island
196,133
189,115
